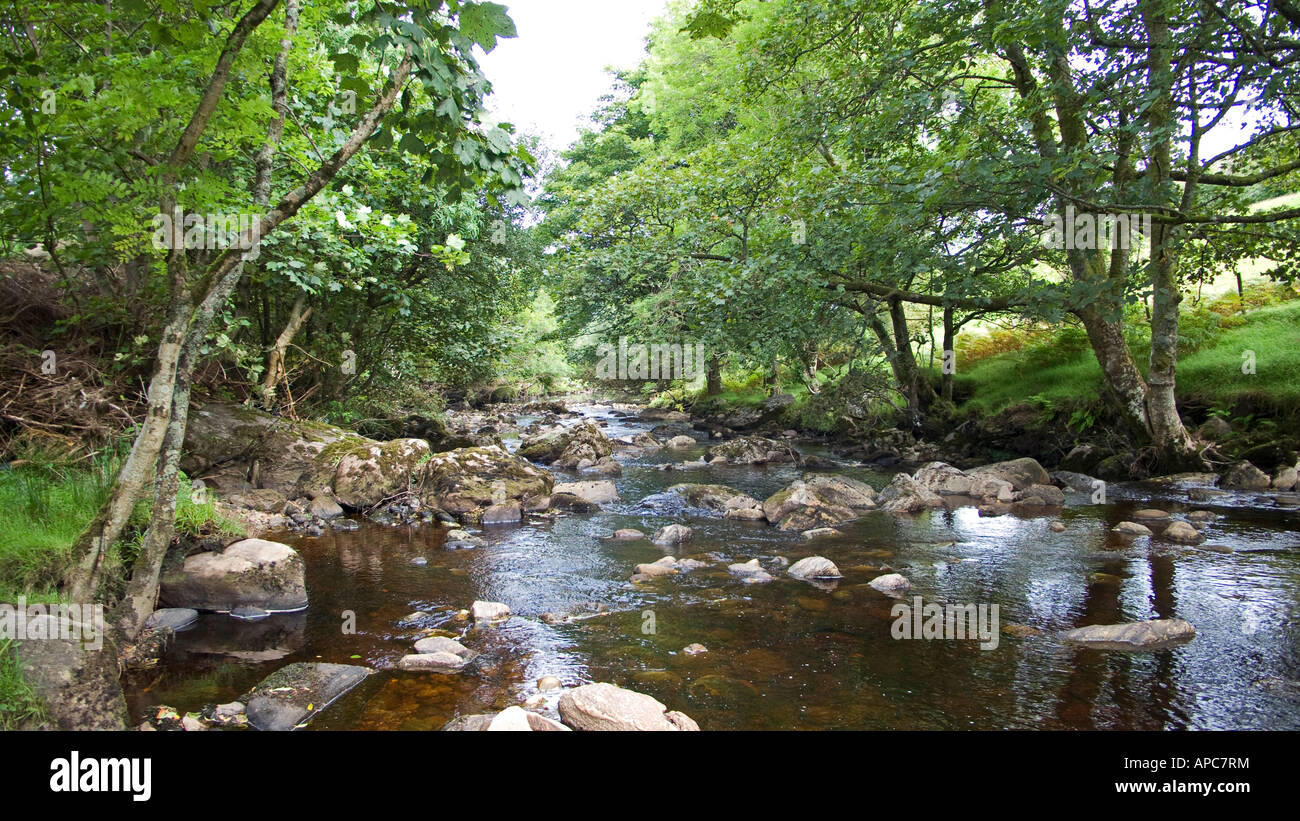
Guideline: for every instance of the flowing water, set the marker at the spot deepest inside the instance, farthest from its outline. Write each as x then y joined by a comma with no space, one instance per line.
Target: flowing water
790,654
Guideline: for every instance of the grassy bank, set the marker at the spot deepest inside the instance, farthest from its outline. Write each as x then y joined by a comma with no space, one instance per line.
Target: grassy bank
1058,372
1054,370
47,501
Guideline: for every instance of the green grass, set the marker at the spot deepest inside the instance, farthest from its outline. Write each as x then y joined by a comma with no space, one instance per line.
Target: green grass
47,503
19,706
1214,375
46,506
1062,374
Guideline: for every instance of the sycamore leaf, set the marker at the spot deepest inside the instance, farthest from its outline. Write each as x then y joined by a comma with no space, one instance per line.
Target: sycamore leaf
483,23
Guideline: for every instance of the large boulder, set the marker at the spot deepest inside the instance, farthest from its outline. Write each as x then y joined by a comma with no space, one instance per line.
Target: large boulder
714,497
606,707
293,695
226,444
566,447
467,480
1021,473
369,473
818,501
753,450
945,480
248,456
76,681
249,573
1245,476
671,535
904,495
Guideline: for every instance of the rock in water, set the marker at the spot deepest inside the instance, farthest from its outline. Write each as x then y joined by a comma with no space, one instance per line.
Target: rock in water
442,644
819,501
434,662
517,719
1142,634
1245,476
814,567
714,497
904,495
754,450
508,513
606,707
566,447
252,572
1132,529
294,694
751,572
489,611
891,583
671,534
1183,533
1021,473
596,492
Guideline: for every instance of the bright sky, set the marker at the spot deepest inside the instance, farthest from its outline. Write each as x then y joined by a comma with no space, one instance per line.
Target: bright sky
550,77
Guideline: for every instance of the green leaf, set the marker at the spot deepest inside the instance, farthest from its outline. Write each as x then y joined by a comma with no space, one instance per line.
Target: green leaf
483,23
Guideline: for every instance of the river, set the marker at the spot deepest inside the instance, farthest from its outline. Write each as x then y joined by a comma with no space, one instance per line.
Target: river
789,654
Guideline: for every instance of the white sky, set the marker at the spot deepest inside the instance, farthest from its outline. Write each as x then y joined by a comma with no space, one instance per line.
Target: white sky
550,77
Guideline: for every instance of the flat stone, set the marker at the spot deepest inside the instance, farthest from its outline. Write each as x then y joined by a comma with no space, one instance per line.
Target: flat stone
175,618
1150,513
597,492
819,533
442,644
628,534
1142,634
294,694
252,572
435,662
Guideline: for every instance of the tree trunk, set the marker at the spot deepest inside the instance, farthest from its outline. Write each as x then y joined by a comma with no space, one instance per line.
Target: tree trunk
949,353
713,379
1173,444
275,362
